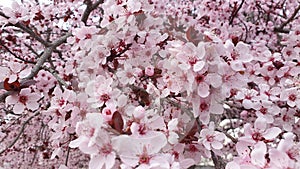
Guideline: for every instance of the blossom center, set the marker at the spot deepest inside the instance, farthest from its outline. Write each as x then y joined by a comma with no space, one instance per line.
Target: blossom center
210,138
203,106
144,159
292,97
199,78
193,148
104,97
61,102
23,99
106,149
257,136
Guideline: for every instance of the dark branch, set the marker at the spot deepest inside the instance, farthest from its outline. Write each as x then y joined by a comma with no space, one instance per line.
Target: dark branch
218,161
89,8
27,30
47,53
235,12
20,133
15,55
281,27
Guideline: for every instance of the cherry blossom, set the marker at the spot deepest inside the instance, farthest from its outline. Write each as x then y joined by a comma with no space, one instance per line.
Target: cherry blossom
24,99
211,139
149,84
141,152
260,132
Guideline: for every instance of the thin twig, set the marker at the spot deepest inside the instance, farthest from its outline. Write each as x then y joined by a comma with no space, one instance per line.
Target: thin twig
53,72
67,157
281,27
235,12
218,161
15,55
20,133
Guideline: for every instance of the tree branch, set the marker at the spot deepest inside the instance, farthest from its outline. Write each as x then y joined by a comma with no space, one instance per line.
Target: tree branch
20,133
218,161
235,12
15,55
281,27
89,8
47,53
27,30
53,72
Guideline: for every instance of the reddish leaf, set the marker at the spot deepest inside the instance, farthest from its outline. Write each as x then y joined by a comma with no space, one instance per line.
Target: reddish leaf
14,86
117,122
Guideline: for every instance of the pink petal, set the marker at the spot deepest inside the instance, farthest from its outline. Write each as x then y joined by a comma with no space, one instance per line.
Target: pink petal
217,145
76,143
237,65
216,108
203,90
199,66
32,105
62,167
206,145
214,79
110,160
248,104
232,165
96,162
25,91
279,159
34,97
260,124
242,148
258,154
271,133
12,99
19,108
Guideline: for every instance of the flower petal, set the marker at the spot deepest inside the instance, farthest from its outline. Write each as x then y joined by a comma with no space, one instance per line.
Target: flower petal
217,145
271,133
199,66
258,154
203,90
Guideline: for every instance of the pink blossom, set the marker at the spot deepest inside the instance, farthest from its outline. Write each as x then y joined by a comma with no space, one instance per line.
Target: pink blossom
260,132
142,151
24,99
211,139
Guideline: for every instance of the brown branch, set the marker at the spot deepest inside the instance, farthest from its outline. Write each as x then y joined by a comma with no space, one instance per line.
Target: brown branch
89,8
59,79
20,133
15,55
218,161
235,12
27,30
47,53
281,27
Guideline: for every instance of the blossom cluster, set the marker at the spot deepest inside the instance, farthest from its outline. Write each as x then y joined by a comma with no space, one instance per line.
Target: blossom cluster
150,84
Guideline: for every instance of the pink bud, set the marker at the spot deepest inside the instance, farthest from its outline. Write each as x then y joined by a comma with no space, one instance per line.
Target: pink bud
149,70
